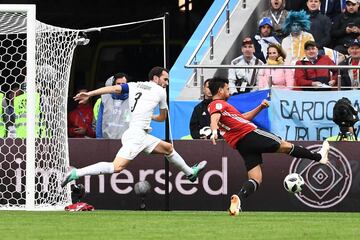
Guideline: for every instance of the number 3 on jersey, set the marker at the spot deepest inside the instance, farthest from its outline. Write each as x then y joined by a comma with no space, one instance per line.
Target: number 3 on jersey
137,96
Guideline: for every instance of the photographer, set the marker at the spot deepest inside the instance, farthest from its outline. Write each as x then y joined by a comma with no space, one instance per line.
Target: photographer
243,80
345,116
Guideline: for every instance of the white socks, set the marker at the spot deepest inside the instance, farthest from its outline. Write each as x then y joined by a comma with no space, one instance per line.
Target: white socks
96,169
108,167
179,163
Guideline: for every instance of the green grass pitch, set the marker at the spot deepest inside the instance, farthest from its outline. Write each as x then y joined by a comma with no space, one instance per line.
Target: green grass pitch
177,225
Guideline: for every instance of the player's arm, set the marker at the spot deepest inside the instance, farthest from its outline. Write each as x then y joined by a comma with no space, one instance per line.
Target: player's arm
83,96
163,108
215,118
251,114
161,117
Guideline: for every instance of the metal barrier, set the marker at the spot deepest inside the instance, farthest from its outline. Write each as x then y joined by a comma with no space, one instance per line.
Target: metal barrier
337,67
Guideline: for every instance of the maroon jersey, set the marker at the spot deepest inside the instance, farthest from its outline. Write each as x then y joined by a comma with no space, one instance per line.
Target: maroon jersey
232,124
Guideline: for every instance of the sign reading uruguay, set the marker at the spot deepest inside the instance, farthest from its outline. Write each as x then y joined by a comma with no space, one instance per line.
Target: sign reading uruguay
307,115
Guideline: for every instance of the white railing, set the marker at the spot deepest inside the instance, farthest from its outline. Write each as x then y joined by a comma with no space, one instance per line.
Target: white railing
336,67
209,31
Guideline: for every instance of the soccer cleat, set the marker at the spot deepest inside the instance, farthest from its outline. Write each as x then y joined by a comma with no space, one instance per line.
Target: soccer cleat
197,168
70,175
324,152
235,206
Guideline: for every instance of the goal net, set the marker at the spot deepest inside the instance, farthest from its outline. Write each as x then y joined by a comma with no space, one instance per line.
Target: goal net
35,63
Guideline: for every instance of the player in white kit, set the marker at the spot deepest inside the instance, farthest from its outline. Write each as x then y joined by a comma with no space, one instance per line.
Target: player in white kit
144,97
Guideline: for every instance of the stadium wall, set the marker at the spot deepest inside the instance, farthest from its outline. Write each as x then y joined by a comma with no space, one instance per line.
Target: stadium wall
328,188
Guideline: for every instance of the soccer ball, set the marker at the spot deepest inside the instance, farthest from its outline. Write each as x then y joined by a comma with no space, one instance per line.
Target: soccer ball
142,188
205,131
293,183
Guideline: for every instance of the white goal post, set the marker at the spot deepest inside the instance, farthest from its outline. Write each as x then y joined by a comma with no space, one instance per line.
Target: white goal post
35,63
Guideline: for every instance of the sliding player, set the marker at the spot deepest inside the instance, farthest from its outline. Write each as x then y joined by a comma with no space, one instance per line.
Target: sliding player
144,97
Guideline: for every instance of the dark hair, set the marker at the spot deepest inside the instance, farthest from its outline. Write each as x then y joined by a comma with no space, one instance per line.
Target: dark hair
156,71
207,80
120,75
216,83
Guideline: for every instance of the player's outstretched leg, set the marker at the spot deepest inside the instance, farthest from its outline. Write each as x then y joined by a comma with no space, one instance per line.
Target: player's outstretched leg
235,205
301,152
324,152
197,168
94,169
70,175
191,173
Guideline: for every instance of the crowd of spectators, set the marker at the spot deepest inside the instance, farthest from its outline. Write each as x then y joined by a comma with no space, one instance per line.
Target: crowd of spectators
307,32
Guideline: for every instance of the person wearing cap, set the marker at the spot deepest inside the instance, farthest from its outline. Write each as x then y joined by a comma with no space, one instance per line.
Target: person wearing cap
264,38
296,25
346,27
350,77
319,79
244,79
319,24
277,15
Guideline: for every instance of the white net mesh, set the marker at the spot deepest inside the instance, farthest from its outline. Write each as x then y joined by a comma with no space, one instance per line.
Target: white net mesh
54,52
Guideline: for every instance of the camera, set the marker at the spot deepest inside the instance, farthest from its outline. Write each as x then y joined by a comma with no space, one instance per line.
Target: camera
345,116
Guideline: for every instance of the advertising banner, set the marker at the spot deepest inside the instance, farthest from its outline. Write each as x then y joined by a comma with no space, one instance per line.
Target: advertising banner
306,115
333,187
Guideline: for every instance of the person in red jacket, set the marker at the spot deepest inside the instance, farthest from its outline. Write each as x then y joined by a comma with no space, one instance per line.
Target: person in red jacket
317,79
80,120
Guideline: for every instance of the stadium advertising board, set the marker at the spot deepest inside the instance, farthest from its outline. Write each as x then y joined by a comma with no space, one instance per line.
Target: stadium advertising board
335,187
303,115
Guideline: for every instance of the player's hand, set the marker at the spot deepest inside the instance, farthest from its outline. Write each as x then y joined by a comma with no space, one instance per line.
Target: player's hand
82,97
214,136
265,104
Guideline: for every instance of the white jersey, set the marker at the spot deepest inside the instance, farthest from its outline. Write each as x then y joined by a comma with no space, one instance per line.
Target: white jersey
144,97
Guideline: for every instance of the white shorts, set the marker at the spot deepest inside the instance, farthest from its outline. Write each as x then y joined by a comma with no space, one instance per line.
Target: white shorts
135,141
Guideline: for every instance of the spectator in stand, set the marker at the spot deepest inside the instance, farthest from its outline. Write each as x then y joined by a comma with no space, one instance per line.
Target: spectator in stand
277,15
264,38
332,8
319,24
350,77
297,25
346,27
244,79
319,79
275,77
295,5
80,120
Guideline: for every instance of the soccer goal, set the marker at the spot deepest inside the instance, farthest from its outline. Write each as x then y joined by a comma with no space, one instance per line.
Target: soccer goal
35,62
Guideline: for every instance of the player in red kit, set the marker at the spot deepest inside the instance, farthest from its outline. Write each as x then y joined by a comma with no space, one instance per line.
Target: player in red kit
244,136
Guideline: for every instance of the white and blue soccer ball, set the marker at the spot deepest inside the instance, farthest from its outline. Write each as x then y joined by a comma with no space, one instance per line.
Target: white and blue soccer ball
205,131
142,188
293,183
